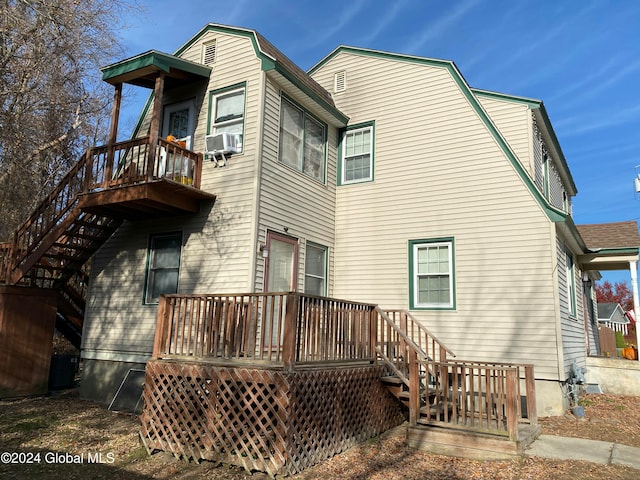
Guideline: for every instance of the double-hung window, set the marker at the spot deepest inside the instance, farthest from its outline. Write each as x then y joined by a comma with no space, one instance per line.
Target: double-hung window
163,266
315,270
432,274
302,141
228,112
357,155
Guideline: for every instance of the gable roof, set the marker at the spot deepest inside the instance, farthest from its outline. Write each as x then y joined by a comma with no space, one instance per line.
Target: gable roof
605,236
141,69
611,312
273,59
554,214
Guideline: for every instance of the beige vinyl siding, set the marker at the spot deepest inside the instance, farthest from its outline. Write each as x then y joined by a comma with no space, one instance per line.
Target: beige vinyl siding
512,119
290,198
573,332
218,242
439,173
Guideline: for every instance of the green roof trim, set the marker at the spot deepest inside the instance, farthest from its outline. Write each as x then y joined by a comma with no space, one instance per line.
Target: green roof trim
535,104
155,60
618,251
530,102
554,214
267,63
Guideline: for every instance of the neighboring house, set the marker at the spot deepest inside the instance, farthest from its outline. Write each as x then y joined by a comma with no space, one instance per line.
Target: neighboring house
612,316
375,177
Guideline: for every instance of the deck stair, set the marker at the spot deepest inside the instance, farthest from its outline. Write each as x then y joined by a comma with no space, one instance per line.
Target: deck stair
109,184
459,407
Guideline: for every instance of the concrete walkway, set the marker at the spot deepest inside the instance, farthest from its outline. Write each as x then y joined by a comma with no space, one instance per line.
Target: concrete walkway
565,448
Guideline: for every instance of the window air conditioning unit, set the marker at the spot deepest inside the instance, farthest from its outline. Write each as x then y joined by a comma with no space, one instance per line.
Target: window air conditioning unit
222,143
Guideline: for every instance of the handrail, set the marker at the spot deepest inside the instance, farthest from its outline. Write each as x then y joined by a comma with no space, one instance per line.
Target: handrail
394,347
420,335
100,168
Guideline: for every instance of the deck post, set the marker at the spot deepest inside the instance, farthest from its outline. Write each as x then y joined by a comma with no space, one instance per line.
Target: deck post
414,388
197,170
161,324
512,404
373,333
530,391
290,331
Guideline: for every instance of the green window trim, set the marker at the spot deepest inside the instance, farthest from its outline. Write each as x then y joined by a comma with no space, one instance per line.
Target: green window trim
371,127
416,278
308,121
153,267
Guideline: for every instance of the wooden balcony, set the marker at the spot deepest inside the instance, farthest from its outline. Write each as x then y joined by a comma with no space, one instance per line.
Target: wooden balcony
139,179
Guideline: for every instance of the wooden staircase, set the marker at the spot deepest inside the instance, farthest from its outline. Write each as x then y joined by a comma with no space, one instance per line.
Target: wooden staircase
125,181
465,408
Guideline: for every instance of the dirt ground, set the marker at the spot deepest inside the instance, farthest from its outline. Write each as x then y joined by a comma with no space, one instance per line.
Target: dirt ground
64,437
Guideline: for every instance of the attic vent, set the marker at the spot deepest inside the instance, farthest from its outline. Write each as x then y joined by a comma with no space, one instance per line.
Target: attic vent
340,82
209,53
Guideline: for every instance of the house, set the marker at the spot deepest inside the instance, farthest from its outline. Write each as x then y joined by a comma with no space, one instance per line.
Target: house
612,316
376,177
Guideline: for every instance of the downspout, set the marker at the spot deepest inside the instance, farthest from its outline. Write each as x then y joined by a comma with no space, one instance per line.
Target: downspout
633,269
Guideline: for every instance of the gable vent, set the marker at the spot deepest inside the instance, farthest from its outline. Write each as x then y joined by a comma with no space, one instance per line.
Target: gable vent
209,53
340,82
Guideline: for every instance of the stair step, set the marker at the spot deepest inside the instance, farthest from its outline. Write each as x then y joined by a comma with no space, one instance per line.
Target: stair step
392,379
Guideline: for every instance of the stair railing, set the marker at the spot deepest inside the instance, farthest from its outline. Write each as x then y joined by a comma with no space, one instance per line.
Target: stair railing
431,347
49,214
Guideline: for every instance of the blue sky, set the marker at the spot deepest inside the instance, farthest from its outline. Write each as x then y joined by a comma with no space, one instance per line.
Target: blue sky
581,57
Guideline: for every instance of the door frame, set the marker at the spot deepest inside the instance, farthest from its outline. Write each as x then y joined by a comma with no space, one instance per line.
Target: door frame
271,235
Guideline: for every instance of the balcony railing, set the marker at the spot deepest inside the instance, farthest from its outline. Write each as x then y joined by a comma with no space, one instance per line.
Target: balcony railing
102,168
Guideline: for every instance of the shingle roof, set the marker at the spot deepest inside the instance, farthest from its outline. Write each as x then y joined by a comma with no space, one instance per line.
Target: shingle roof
610,235
267,47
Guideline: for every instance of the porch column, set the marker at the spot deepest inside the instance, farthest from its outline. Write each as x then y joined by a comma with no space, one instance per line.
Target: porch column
113,133
154,131
633,269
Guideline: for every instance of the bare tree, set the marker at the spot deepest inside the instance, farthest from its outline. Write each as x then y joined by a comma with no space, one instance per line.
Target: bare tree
53,104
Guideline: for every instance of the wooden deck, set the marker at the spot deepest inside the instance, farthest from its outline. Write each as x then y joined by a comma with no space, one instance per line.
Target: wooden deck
280,381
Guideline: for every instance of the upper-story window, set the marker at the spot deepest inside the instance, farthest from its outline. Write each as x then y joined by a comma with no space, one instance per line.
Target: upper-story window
302,141
227,107
357,155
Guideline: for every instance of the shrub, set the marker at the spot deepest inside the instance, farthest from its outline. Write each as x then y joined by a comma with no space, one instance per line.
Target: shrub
620,341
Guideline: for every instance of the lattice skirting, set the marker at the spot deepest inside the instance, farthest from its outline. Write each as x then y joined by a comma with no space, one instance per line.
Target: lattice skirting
265,420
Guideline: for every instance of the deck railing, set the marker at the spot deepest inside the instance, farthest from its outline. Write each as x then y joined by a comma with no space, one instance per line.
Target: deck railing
285,328
481,396
124,163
